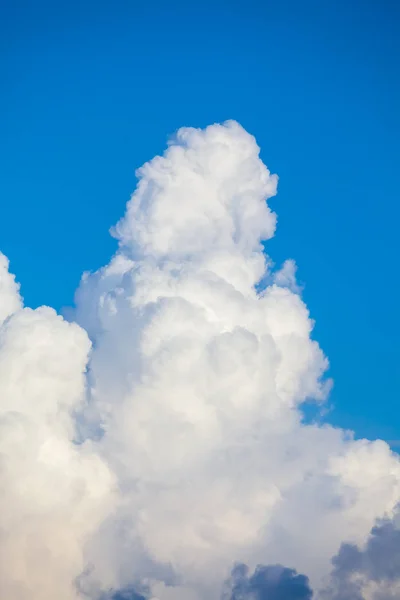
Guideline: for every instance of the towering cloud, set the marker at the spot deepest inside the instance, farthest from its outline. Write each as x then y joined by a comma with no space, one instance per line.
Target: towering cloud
150,464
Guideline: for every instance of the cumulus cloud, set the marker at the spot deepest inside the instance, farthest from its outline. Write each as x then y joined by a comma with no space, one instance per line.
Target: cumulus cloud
172,445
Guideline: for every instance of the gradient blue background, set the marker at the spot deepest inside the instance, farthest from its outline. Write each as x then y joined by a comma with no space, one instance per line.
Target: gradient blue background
91,89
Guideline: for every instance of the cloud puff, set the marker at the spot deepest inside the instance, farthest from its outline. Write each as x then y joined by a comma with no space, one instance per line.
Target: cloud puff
128,594
371,572
272,582
174,445
53,492
9,290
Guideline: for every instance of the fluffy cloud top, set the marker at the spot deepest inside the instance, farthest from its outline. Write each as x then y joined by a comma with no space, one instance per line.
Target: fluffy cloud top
174,446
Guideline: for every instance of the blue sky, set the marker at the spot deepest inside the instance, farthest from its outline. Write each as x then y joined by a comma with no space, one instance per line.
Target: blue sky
91,90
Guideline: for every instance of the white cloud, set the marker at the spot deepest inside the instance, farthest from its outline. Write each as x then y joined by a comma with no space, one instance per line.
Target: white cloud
9,290
54,494
286,276
195,382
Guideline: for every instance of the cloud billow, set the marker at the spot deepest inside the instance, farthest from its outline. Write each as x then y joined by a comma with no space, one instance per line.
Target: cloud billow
371,572
183,379
272,582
